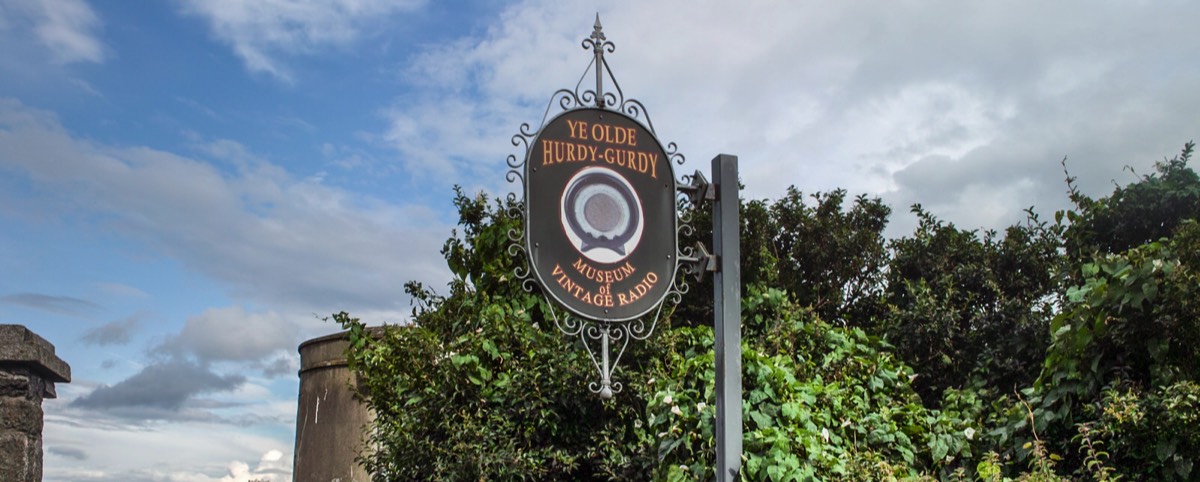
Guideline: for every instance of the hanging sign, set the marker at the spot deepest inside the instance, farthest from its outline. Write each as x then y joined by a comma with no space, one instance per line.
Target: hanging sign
600,214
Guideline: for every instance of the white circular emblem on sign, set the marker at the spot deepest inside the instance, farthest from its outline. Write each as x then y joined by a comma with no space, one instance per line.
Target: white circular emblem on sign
602,214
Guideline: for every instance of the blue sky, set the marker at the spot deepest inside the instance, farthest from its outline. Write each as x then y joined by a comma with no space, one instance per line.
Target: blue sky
188,186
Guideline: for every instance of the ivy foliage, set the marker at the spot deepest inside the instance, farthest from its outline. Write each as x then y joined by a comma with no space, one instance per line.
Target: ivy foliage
821,402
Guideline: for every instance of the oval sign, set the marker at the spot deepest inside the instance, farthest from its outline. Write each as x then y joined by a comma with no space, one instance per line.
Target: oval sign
600,222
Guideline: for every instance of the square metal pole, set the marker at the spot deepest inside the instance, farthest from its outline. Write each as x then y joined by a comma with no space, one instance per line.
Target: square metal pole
727,299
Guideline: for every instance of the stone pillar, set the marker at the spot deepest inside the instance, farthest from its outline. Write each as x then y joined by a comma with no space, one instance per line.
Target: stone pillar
28,371
329,419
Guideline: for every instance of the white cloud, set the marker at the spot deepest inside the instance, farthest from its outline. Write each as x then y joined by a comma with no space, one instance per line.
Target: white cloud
67,28
167,452
271,467
296,245
828,95
260,31
256,425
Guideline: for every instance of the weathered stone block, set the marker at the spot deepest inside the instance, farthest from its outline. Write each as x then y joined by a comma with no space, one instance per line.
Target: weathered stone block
14,384
24,416
19,462
22,348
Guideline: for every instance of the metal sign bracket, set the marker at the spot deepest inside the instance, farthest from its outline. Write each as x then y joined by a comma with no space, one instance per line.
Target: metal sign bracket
700,264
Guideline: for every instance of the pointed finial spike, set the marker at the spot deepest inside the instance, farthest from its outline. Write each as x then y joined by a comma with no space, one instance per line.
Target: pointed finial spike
598,43
597,30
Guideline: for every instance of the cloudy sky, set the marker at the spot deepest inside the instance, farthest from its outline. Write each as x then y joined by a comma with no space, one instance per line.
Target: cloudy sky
188,186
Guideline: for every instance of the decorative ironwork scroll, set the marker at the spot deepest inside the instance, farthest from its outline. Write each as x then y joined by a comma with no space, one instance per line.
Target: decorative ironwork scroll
601,245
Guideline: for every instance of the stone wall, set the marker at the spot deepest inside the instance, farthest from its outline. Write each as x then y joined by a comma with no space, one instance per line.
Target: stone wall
28,371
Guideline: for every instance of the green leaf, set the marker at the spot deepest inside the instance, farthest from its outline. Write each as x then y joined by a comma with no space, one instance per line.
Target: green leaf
761,419
775,472
1165,449
939,450
459,360
1183,467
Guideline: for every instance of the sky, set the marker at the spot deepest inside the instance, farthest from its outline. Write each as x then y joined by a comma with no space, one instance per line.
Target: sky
187,187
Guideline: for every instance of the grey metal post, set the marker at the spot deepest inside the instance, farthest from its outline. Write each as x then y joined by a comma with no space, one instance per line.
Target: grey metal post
727,298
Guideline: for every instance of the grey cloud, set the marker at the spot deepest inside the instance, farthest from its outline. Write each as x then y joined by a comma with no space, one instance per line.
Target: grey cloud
117,332
158,391
1099,131
63,305
232,334
281,367
68,452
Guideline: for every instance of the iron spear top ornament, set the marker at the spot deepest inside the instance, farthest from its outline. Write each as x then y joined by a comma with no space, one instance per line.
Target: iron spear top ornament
599,203
598,40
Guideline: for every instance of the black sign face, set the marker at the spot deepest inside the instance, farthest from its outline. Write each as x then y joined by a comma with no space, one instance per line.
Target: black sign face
600,214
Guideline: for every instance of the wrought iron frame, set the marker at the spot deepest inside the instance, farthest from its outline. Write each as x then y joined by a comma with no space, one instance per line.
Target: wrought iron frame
609,335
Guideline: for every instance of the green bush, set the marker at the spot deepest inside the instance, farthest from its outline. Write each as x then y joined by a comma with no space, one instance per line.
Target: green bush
1058,350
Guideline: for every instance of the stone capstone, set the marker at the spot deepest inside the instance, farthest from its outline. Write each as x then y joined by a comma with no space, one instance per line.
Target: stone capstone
29,369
